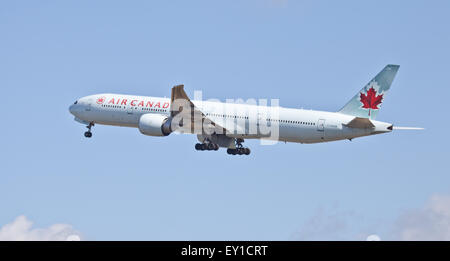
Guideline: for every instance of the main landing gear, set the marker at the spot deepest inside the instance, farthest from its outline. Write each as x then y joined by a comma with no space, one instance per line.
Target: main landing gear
88,133
239,150
206,146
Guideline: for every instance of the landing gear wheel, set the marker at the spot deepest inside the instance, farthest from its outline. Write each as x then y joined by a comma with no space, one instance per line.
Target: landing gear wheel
240,150
232,151
211,146
206,146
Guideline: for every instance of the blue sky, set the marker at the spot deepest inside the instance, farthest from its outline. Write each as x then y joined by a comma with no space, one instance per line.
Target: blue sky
121,185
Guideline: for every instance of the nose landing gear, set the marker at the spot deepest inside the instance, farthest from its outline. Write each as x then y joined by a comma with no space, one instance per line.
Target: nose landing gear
88,133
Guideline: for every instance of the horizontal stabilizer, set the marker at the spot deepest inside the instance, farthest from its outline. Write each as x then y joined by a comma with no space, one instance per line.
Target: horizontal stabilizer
361,123
407,128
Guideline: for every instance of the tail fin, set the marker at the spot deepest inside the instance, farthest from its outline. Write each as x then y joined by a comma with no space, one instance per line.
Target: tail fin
367,102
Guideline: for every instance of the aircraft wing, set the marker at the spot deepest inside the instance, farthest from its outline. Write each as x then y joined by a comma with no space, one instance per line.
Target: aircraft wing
182,108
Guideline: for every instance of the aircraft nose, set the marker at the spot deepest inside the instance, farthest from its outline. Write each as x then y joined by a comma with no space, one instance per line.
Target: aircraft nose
73,109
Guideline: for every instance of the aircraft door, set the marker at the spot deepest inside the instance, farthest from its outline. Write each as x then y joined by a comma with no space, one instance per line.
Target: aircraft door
262,123
321,125
321,128
89,105
261,118
129,109
132,116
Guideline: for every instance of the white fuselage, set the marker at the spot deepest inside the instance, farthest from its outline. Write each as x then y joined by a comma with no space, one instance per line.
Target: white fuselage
293,125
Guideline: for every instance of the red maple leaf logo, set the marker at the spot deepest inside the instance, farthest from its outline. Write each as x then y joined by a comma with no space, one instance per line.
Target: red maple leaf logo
371,100
101,100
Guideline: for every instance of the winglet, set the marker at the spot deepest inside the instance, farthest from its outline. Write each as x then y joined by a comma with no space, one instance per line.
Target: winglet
180,100
178,93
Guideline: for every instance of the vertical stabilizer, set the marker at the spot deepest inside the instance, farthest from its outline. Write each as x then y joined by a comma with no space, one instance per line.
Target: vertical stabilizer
367,102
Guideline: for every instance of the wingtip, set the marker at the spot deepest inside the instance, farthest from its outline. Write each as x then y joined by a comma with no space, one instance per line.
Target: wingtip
393,66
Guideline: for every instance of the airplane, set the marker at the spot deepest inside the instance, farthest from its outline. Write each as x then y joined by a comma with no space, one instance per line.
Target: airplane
227,125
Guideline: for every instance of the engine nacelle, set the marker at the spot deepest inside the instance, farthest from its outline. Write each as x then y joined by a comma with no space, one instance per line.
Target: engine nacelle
154,125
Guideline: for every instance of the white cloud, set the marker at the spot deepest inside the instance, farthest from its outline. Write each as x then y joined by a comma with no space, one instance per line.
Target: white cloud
373,238
432,222
329,224
21,230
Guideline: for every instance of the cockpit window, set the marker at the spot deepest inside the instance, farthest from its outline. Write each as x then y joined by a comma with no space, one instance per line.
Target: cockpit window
75,102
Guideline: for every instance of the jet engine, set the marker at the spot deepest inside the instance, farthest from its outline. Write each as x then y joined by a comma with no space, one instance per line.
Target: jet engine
155,125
